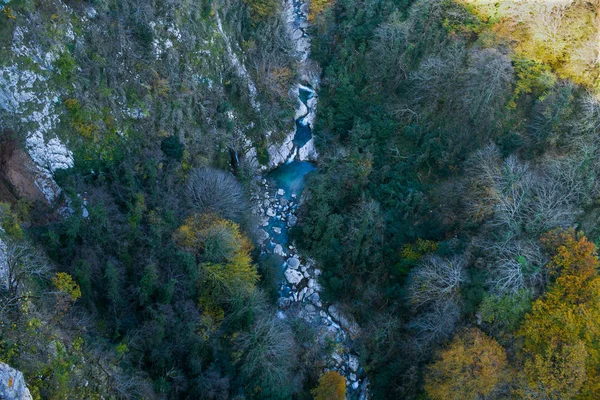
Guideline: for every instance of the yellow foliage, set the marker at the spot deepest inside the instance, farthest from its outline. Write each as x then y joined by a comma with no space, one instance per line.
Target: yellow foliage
224,251
562,332
470,367
262,9
9,13
9,222
316,7
279,80
332,386
561,34
413,252
65,284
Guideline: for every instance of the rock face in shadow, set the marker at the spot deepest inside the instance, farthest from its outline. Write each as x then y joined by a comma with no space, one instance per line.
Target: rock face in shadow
12,384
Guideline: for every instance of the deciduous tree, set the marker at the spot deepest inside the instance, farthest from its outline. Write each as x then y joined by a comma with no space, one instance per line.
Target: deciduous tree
471,367
332,386
562,332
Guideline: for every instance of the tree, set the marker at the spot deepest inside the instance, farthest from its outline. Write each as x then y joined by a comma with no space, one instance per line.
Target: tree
223,251
332,386
562,331
172,147
472,366
19,264
214,191
267,354
436,279
261,10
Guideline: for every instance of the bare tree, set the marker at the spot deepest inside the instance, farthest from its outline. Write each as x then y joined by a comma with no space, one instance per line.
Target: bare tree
515,265
19,262
436,324
268,356
487,84
436,279
214,191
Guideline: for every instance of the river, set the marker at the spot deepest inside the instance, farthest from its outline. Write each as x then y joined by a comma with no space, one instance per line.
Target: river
277,205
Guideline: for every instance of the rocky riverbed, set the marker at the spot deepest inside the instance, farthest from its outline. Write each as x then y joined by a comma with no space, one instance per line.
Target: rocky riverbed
300,291
276,204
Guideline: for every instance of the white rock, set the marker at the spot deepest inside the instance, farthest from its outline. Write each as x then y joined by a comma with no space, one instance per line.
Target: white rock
308,151
293,262
314,298
293,276
353,362
292,220
280,192
311,283
277,230
271,212
279,250
17,390
355,385
337,358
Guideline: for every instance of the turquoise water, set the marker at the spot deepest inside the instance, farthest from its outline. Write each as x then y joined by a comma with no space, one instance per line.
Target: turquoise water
303,131
290,177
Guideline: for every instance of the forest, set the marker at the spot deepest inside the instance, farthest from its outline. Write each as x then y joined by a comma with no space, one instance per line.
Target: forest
440,241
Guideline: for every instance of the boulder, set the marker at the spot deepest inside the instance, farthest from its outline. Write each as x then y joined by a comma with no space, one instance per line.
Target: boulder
12,384
337,358
284,302
277,230
293,276
271,212
293,262
353,363
280,192
314,298
292,220
279,250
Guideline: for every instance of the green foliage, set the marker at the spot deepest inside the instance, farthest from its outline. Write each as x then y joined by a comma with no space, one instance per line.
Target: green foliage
533,77
144,34
504,313
262,9
172,147
9,222
66,66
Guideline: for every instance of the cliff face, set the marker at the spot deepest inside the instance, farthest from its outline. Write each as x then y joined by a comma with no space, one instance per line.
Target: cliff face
83,84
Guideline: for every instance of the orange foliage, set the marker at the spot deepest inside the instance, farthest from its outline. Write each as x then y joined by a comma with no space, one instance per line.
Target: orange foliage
471,367
562,332
332,386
